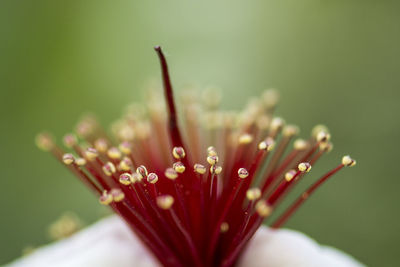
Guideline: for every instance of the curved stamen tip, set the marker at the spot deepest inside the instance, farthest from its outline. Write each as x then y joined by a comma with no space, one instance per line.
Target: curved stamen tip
157,48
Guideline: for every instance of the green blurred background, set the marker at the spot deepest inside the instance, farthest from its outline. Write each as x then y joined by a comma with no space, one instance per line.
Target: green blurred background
335,62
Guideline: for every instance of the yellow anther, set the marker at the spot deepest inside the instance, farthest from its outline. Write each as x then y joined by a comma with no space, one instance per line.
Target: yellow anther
109,169
243,173
136,177
68,159
170,173
125,147
326,146
323,136
101,145
253,194
125,164
245,139
277,124
268,144
117,195
125,178
224,227
70,140
304,167
44,141
211,151
80,161
165,202
290,130
319,128
199,168
178,152
263,209
216,169
300,144
114,153
179,167
212,160
290,175
270,97
142,171
91,154
348,161
152,178
105,198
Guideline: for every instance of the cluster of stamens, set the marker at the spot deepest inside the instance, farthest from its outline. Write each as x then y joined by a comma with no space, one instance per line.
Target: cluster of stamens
193,204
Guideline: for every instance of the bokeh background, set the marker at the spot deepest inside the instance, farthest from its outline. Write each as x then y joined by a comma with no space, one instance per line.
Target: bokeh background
335,62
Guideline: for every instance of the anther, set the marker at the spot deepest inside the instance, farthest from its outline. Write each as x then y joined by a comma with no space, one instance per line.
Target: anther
243,173
300,144
304,167
215,169
290,130
125,147
179,167
326,146
70,140
245,139
290,175
165,202
253,194
224,227
68,159
348,161
263,209
91,154
117,195
319,128
199,168
277,124
178,152
171,174
268,144
101,145
136,177
323,136
270,97
212,160
44,141
114,153
109,169
152,178
211,151
80,161
142,171
125,164
105,198
125,179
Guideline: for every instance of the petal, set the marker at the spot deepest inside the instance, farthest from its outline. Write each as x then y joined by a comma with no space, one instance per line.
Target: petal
109,242
287,248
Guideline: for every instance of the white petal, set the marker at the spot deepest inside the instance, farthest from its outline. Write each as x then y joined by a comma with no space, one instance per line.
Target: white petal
111,243
287,248
107,243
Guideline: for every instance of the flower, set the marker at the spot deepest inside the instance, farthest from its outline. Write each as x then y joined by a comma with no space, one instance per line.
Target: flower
187,207
109,242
